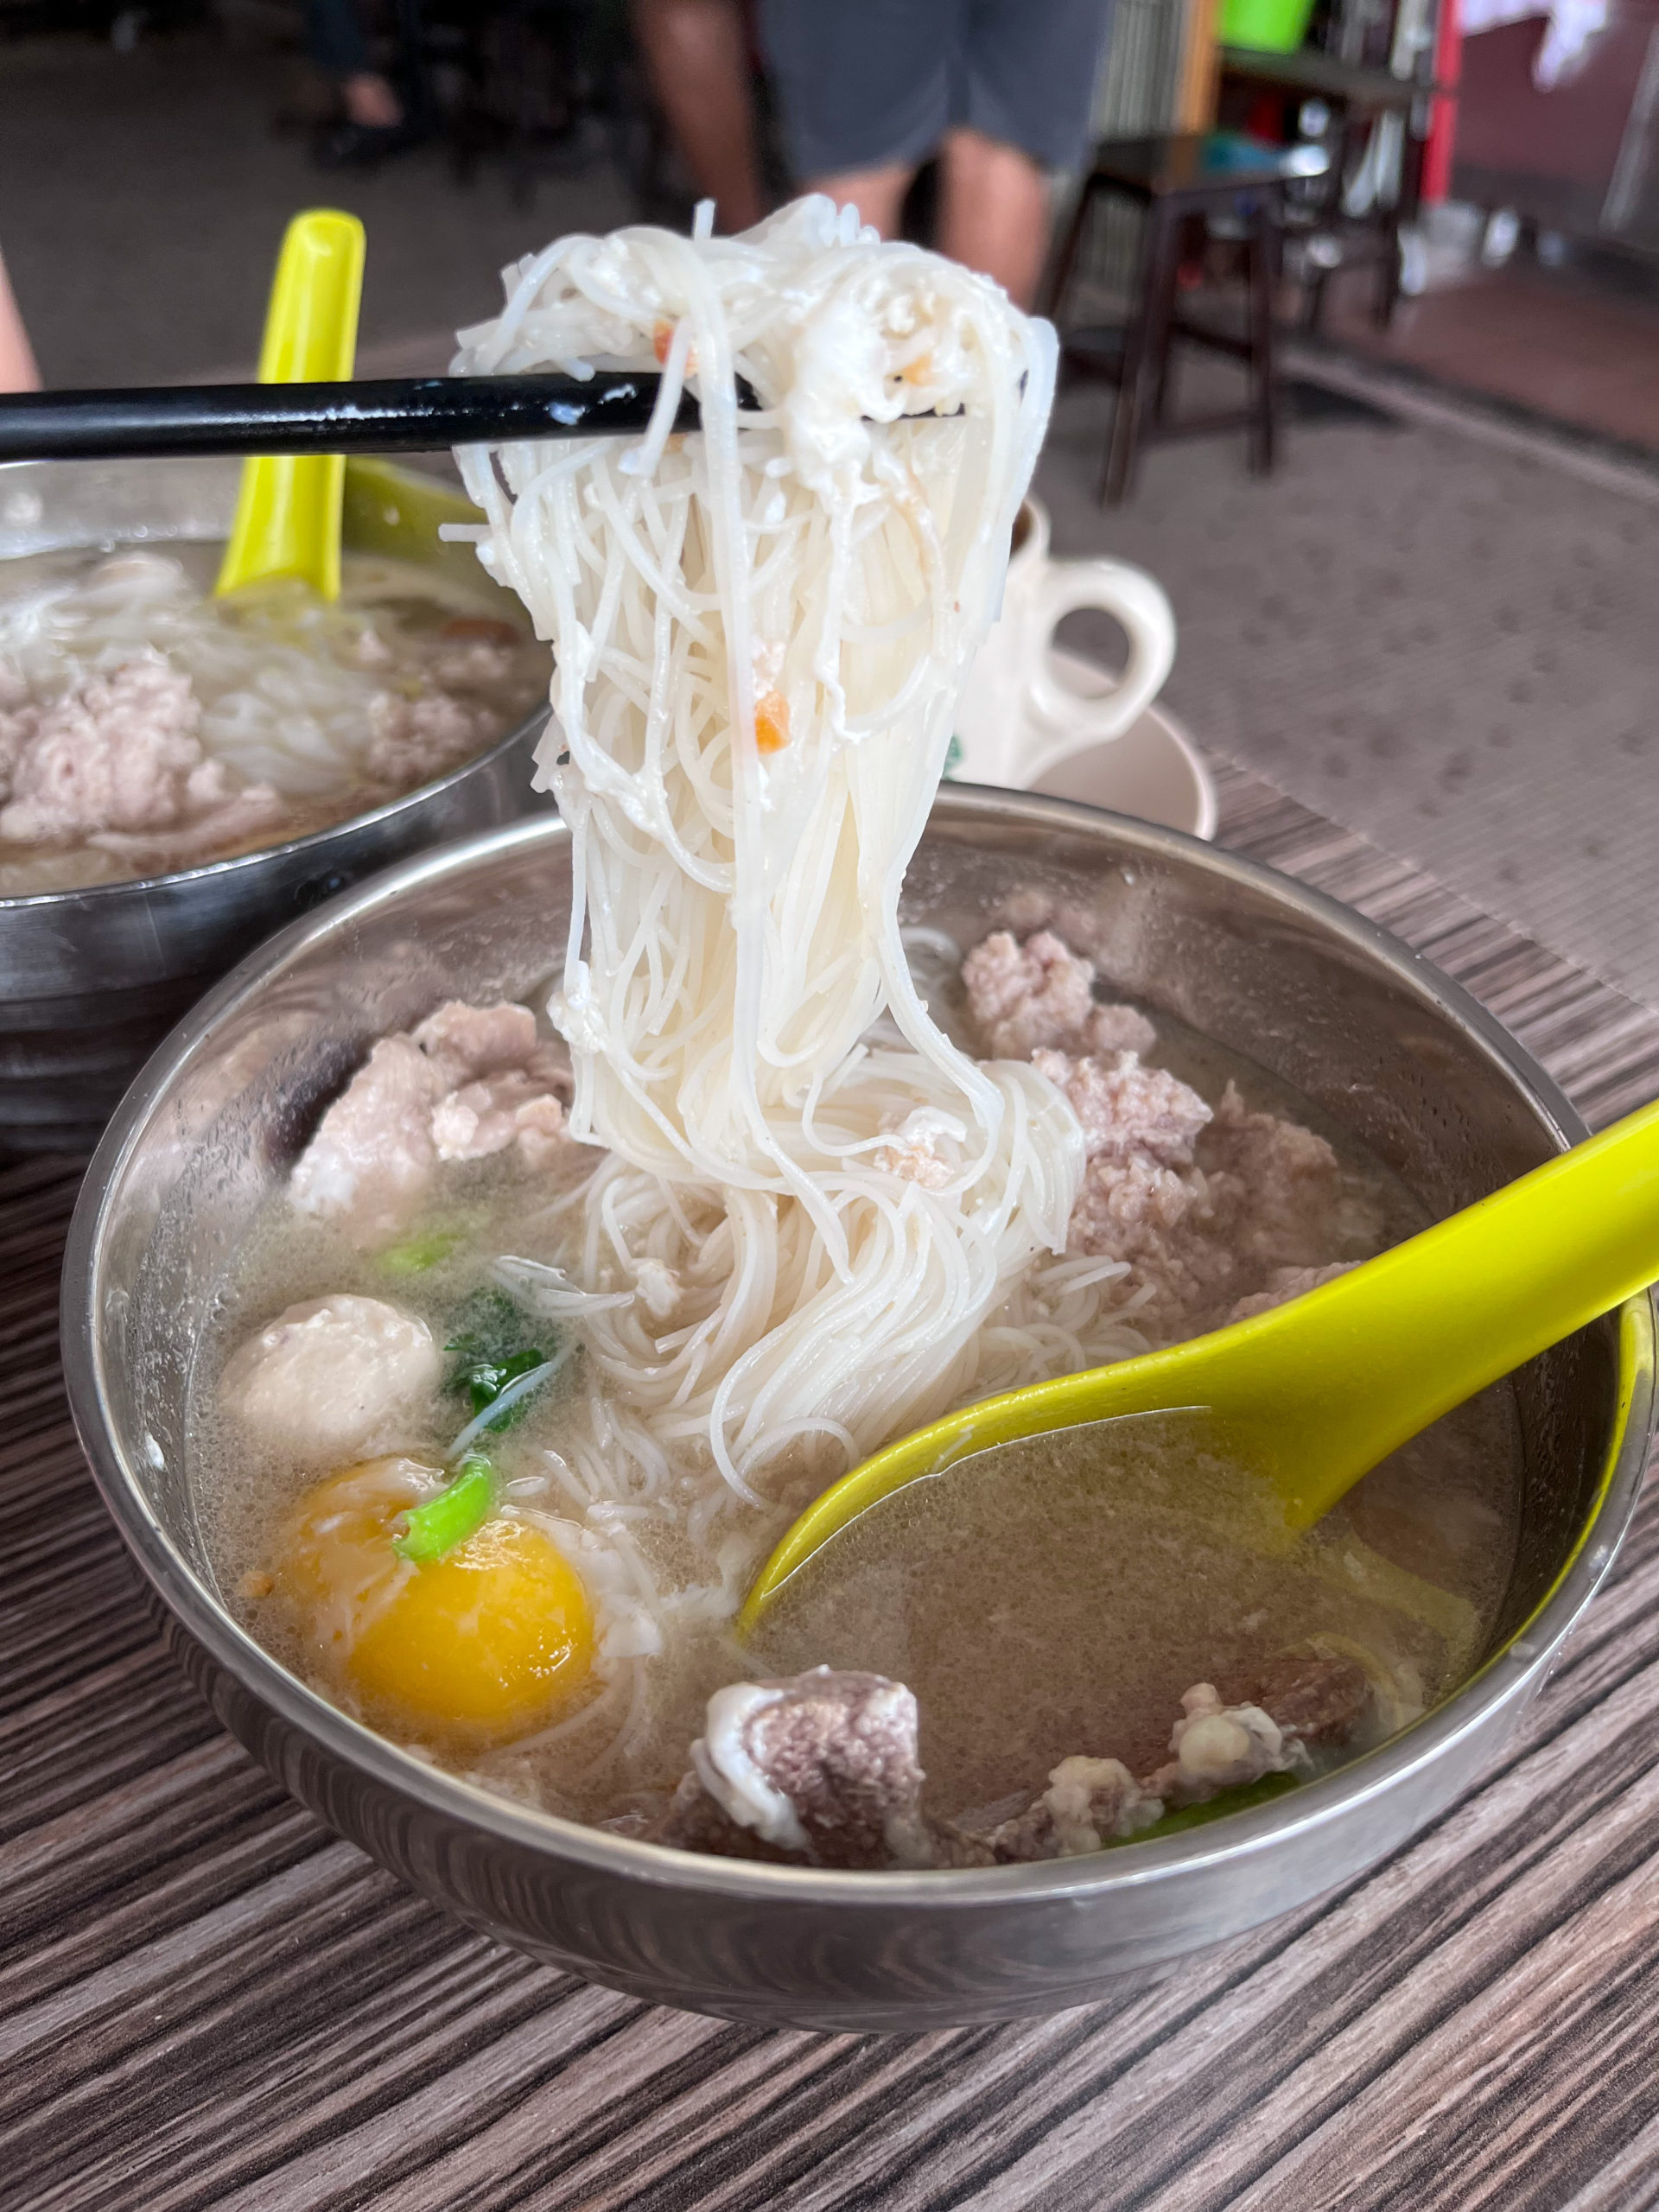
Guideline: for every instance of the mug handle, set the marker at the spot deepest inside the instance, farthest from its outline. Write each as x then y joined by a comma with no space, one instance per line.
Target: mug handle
1131,598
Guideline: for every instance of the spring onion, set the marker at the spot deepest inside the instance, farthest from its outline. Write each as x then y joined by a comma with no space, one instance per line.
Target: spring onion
417,1254
458,1511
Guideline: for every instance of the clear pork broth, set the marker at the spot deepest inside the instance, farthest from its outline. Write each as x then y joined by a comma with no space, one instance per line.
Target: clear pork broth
1062,1606
330,710
1058,1596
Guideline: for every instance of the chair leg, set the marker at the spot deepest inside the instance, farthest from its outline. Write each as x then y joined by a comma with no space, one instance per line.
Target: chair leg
1163,399
1056,289
1191,243
1264,390
1145,346
1313,309
1387,297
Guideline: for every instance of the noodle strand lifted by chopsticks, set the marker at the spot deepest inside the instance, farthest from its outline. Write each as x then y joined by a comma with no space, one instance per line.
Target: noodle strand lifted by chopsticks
760,634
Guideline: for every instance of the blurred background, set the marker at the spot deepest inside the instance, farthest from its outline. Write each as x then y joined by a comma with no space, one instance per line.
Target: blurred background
1430,619
149,154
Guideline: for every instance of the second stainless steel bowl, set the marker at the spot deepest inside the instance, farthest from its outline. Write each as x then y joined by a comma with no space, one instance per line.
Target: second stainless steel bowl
91,980
1271,971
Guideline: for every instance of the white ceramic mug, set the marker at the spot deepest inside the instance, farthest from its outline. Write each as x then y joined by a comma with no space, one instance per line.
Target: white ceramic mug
1015,719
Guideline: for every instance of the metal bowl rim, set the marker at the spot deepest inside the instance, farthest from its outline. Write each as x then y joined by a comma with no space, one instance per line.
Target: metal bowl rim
35,901
554,1838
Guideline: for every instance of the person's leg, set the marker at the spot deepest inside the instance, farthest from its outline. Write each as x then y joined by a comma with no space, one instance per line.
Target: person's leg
371,100
334,33
698,56
864,90
1022,108
995,212
17,369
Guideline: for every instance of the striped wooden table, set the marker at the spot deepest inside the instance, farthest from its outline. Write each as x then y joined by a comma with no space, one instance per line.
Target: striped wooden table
206,2000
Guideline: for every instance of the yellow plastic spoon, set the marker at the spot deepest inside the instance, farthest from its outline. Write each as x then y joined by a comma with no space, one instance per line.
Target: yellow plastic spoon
1315,1393
288,511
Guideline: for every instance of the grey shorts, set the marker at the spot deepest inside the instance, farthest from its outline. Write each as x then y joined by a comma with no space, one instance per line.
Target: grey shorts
863,83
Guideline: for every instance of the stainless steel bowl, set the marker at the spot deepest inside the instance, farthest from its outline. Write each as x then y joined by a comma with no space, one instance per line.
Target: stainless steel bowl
91,980
1288,978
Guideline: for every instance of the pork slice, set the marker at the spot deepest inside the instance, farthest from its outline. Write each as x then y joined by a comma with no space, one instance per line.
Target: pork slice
1113,1028
1294,1700
472,665
1318,1699
487,1116
1276,1187
118,752
255,813
1088,1803
1218,1746
1126,1109
330,1379
517,1079
1155,1219
1251,1220
541,1131
412,741
1040,995
821,1766
475,1040
466,1083
371,1162
1128,1208
696,1821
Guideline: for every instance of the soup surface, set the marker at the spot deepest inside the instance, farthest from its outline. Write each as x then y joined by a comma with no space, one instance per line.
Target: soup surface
1045,1607
147,727
1064,1595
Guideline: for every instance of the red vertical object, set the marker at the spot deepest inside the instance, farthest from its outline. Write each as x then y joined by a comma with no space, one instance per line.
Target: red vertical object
1443,110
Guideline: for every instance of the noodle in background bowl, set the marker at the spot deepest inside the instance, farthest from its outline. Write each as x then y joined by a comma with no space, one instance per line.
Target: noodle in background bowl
1318,995
92,979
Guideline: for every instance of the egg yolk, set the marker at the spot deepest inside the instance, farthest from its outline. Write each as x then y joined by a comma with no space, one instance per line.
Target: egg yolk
468,1651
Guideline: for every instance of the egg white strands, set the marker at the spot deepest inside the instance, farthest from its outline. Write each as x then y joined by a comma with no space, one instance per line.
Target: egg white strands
735,931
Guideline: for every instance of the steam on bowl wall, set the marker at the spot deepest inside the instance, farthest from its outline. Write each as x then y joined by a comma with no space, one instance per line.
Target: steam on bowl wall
91,980
1277,973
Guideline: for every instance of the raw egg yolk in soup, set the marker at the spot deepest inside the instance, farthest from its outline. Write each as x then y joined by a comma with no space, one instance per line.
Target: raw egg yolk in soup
491,1641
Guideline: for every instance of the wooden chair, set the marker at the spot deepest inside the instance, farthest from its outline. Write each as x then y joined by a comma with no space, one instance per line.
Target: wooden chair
1357,97
1173,177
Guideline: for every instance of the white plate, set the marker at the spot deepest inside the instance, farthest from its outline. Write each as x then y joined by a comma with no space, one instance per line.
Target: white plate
1152,771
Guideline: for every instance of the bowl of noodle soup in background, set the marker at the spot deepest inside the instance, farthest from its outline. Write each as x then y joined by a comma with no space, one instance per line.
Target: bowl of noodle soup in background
95,975
1301,986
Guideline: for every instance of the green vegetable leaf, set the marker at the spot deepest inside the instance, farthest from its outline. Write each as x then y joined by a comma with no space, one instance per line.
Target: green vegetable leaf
491,1326
496,1343
458,1511
486,1381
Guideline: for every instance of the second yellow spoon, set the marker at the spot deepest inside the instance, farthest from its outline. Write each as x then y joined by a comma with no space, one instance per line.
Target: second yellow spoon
288,511
1314,1394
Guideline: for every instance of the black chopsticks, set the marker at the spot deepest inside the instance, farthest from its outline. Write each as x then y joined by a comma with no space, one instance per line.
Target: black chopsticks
404,415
